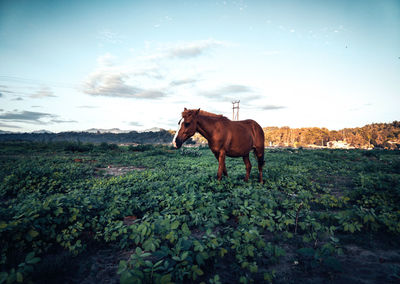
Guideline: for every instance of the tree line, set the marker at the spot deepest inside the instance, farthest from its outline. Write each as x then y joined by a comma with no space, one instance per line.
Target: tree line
376,135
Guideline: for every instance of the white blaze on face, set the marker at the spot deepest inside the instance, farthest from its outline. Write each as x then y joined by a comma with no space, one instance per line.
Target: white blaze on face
176,134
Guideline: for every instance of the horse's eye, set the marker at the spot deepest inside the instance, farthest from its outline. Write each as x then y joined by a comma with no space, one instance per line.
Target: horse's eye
187,124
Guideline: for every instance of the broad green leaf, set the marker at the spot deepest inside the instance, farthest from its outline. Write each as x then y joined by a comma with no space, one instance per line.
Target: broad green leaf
175,225
127,278
122,266
3,277
222,252
306,252
33,260
148,263
158,262
199,259
166,279
20,277
144,231
33,233
29,256
185,229
184,255
138,250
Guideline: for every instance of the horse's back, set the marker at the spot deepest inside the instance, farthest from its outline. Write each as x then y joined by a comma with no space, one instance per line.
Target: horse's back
253,129
256,130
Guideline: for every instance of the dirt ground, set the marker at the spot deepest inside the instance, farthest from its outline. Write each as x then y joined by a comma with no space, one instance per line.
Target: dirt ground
359,265
114,170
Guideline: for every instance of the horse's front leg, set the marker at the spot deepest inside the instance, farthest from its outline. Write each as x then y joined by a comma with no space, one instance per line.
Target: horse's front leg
216,154
221,166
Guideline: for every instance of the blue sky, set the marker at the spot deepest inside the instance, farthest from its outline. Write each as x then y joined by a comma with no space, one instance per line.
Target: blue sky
75,65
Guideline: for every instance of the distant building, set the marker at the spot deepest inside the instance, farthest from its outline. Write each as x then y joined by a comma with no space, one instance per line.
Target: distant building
339,145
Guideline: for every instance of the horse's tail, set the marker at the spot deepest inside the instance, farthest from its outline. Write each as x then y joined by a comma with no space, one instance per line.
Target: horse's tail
258,138
259,155
261,161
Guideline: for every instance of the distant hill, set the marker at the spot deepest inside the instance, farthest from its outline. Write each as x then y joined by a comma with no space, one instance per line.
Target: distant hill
154,129
43,131
159,137
112,130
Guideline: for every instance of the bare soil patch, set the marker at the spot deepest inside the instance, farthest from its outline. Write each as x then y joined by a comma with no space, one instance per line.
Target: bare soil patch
114,170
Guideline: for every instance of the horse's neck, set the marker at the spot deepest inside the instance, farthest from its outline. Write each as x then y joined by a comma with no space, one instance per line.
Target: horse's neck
205,126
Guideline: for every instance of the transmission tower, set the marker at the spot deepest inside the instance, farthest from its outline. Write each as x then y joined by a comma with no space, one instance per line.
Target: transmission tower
235,110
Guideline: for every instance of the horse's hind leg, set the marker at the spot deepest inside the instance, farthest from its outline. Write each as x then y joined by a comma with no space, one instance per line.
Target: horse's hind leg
260,159
246,161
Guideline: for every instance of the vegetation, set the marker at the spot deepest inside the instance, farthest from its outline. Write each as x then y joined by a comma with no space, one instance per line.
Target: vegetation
171,221
161,136
381,135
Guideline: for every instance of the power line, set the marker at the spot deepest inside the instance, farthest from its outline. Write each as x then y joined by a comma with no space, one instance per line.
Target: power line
29,81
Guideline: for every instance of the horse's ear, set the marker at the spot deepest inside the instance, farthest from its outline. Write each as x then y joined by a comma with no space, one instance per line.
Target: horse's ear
184,109
197,111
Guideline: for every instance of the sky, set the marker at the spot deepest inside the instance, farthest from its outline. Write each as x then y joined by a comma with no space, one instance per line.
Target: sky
75,65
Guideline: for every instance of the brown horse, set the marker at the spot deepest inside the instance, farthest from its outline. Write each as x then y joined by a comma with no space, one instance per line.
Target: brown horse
225,137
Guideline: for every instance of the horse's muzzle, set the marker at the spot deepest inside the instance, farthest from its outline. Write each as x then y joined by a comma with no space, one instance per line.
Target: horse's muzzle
177,143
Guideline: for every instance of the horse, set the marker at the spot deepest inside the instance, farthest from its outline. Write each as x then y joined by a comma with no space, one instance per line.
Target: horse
225,138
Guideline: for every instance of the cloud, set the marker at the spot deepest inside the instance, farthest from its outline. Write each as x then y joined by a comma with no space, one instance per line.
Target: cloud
26,116
110,36
4,90
192,49
229,92
89,107
135,123
113,84
33,117
272,107
1,95
147,76
151,94
106,59
63,121
183,82
235,89
182,50
5,125
44,92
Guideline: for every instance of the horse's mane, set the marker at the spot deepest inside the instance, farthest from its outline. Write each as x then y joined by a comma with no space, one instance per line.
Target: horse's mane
203,113
206,113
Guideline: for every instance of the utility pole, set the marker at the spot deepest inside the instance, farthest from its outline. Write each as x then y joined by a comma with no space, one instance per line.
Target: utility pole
235,110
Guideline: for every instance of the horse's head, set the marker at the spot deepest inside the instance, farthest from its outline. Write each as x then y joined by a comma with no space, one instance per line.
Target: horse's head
187,127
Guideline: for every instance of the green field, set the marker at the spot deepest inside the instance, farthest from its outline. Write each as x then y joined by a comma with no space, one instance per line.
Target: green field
84,213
